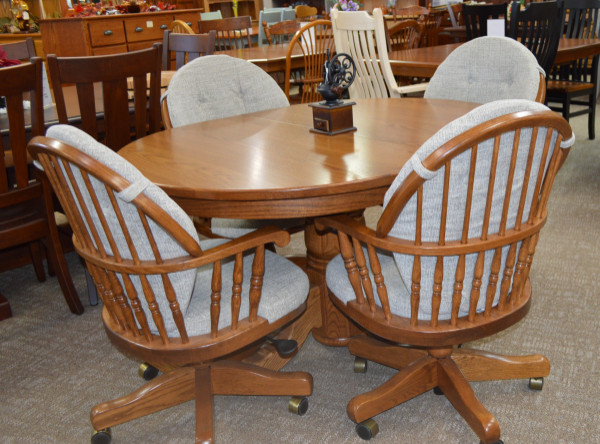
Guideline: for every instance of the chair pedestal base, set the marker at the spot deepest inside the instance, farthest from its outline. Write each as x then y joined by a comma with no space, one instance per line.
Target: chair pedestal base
450,370
200,383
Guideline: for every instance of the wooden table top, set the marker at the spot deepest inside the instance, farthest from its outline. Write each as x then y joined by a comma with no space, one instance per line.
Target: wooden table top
423,62
268,164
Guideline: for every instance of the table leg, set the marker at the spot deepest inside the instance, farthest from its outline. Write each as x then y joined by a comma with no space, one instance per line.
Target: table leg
336,329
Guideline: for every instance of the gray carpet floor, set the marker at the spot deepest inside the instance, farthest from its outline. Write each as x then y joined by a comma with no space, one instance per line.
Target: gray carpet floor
54,366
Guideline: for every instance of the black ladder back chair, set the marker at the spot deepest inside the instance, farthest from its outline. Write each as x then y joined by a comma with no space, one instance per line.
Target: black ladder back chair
576,83
476,17
538,27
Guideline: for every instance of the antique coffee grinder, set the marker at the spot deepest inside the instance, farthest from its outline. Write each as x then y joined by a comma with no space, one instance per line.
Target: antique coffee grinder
334,116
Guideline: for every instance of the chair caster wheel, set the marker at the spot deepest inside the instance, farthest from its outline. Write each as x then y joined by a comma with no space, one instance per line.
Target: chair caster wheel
147,371
298,405
103,436
360,365
367,429
536,383
437,390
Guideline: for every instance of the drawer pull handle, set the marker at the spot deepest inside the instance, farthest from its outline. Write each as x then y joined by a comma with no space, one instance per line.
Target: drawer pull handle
108,32
163,26
139,29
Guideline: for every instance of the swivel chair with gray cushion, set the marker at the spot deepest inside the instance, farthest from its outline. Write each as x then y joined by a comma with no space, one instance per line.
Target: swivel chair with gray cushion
184,305
215,87
487,69
449,261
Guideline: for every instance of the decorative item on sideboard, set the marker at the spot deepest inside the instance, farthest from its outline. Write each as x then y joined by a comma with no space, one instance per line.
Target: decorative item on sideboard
334,116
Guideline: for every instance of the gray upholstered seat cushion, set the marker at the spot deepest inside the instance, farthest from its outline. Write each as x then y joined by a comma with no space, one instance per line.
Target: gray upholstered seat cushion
285,288
404,228
398,294
218,86
486,69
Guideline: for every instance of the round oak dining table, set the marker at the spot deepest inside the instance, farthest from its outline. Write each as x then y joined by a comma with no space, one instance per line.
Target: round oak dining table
269,165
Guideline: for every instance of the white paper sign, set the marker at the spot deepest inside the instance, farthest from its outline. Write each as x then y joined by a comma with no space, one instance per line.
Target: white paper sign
495,27
46,95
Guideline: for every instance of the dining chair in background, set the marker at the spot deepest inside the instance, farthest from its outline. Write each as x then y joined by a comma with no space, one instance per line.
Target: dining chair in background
280,32
496,68
196,93
305,12
185,47
476,17
576,83
26,207
122,120
430,28
449,261
232,32
313,40
405,34
363,37
271,16
190,308
22,50
539,28
413,12
181,27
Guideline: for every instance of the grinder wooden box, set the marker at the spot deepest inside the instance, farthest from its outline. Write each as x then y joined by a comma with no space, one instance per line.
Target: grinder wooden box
332,119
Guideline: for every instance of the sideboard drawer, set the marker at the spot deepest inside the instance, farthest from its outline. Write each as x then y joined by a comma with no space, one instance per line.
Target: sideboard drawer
106,32
106,50
147,28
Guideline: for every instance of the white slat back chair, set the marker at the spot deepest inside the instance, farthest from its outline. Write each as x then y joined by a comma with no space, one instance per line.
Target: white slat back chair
363,38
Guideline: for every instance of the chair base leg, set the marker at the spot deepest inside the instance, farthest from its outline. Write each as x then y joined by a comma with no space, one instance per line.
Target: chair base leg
449,369
477,365
200,383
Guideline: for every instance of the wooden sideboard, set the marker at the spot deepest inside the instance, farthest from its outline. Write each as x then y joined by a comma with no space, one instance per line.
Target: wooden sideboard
110,34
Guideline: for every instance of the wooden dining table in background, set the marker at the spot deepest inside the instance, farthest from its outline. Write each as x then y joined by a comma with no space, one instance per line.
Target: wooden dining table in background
418,62
269,165
423,62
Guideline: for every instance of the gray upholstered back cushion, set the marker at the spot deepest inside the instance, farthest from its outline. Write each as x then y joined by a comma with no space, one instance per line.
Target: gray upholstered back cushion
486,69
404,227
183,282
218,86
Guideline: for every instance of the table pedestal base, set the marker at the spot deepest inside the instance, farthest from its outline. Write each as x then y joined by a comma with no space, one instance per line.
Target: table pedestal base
336,329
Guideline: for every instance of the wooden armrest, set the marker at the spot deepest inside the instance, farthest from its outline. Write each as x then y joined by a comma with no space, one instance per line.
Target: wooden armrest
261,236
